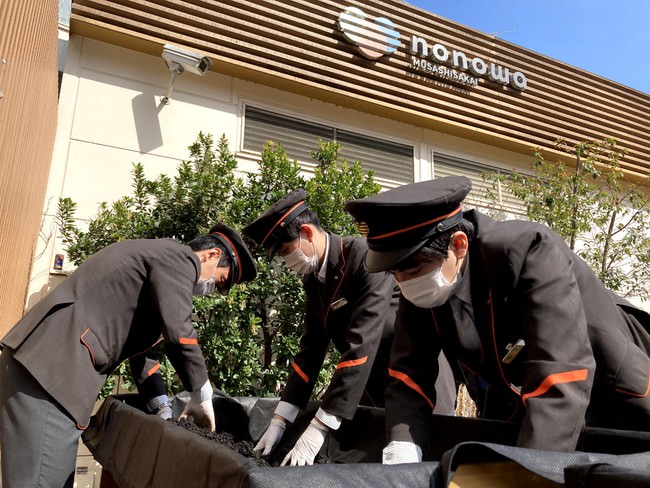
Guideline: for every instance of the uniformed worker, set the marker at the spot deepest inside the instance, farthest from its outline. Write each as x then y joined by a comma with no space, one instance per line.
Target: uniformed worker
346,305
540,339
145,368
115,305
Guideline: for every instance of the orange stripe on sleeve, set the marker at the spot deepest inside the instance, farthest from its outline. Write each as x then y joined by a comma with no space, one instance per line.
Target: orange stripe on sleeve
300,372
411,384
634,394
352,362
188,340
556,379
154,369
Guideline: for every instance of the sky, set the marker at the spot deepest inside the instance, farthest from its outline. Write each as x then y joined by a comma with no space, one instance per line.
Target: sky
610,38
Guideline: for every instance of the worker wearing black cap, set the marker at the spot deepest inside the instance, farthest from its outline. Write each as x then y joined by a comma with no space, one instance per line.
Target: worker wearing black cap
346,305
539,339
122,301
145,367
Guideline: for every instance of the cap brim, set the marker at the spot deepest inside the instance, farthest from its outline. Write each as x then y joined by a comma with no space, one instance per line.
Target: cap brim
382,261
231,281
271,250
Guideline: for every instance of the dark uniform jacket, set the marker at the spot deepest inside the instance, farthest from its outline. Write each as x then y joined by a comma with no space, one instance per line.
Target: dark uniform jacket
114,306
355,310
585,353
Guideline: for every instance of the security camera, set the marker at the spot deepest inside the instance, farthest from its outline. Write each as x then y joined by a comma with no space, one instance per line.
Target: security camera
179,60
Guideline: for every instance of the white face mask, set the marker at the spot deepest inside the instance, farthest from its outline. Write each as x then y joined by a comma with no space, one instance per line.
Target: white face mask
204,287
430,289
297,261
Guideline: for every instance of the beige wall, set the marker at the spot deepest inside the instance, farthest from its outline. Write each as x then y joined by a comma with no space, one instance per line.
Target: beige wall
28,103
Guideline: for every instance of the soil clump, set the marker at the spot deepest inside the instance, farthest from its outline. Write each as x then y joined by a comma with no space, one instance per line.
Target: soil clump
242,447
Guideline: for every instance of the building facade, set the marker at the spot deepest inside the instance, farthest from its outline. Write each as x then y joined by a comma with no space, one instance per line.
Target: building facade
28,114
410,94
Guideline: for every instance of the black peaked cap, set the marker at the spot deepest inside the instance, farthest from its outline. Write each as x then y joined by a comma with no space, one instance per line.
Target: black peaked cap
268,229
243,266
398,222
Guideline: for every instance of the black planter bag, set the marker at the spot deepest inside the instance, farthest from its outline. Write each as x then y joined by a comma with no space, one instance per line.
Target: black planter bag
142,450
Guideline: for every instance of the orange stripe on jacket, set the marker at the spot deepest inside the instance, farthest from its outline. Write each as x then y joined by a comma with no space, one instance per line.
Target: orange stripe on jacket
188,340
556,379
81,338
634,394
300,372
352,362
154,369
411,384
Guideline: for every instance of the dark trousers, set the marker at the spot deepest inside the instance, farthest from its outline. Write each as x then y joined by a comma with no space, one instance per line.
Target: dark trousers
38,439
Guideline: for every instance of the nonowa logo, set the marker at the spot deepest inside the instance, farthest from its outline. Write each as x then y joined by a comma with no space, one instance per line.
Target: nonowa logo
373,37
376,37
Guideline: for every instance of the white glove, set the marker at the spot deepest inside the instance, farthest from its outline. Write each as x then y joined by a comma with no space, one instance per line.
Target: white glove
401,452
200,407
272,436
164,411
160,406
310,442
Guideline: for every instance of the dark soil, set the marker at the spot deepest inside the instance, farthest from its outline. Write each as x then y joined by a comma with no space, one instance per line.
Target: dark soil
242,447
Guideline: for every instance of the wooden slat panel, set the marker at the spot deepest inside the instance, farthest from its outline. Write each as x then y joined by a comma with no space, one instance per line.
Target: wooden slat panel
298,41
28,80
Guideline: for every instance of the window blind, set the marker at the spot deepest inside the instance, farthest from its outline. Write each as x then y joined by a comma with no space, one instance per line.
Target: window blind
391,162
505,205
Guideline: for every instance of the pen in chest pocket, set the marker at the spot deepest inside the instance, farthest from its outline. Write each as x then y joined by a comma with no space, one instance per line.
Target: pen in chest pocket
336,304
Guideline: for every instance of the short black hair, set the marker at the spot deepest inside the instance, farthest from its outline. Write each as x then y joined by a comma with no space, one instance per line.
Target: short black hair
210,242
292,230
436,248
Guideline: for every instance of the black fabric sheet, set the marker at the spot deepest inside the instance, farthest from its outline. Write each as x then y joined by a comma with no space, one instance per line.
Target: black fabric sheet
551,465
345,476
606,476
141,450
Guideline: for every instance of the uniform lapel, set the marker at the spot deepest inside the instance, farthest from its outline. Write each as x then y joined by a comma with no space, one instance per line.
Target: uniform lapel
495,335
335,274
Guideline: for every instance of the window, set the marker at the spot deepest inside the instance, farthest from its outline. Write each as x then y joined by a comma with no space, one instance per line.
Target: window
507,206
391,162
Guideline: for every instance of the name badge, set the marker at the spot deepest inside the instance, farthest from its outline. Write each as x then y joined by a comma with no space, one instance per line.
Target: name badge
512,351
338,303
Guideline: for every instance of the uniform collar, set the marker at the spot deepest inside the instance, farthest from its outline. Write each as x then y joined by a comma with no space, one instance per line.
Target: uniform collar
322,273
464,292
